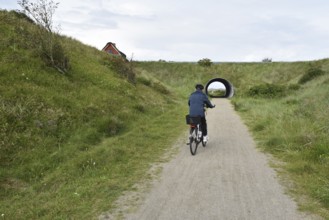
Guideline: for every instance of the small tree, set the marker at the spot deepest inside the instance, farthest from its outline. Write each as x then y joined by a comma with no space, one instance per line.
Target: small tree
46,38
205,62
41,12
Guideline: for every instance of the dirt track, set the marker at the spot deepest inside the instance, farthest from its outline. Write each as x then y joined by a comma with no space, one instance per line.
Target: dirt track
229,179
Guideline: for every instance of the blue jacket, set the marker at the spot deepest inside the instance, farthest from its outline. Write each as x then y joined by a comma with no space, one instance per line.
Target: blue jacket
197,101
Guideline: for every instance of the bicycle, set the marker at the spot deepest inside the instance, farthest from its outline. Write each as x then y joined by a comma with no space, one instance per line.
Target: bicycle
196,135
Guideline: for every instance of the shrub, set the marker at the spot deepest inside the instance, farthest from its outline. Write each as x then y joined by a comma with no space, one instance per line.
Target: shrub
44,37
312,72
46,45
122,67
52,52
205,62
158,86
144,80
267,91
294,87
267,60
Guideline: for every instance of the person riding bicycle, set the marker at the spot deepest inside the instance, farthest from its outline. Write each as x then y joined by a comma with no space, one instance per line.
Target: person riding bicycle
197,102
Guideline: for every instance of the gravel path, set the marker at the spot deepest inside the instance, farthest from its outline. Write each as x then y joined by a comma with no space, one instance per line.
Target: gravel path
229,179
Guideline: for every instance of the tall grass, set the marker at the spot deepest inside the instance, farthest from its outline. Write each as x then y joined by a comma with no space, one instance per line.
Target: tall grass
295,129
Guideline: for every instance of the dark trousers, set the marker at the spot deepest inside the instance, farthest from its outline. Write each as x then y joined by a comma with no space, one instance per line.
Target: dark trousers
204,126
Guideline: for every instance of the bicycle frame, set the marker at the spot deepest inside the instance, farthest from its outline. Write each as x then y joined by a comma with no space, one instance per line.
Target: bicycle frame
197,135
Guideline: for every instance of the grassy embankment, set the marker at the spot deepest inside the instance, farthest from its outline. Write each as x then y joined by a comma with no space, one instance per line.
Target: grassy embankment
293,125
71,143
286,107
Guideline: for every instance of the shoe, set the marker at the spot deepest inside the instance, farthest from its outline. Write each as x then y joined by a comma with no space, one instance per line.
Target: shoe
205,138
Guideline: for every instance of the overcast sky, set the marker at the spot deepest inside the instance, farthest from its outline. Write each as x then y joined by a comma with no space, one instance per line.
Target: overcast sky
189,30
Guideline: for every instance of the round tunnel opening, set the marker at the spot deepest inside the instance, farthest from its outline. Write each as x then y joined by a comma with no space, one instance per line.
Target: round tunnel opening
219,88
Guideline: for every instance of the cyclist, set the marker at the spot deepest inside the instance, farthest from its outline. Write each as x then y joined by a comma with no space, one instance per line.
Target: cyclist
197,102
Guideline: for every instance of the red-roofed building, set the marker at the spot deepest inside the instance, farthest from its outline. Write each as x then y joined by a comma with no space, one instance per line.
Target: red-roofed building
112,49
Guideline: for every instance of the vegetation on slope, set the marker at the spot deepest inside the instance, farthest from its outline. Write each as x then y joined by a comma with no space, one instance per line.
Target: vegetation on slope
295,128
71,143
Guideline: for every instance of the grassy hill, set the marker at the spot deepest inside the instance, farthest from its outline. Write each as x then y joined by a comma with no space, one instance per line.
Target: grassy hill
71,143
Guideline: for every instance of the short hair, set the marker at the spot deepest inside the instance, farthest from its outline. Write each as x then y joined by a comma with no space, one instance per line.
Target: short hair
199,86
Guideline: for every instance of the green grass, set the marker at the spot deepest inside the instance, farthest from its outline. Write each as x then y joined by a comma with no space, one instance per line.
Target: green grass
71,144
295,129
88,184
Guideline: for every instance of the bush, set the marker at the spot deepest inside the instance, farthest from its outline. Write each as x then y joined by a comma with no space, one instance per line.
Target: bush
312,72
122,67
267,91
294,87
44,37
46,45
267,60
144,80
205,62
158,86
52,51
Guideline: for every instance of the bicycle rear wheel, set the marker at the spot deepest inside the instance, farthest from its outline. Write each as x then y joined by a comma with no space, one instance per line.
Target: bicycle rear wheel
193,140
204,143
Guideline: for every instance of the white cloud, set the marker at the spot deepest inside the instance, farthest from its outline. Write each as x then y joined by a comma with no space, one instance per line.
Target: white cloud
188,30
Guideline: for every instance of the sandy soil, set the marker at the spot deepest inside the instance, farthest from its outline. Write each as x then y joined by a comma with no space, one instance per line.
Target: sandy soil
228,179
